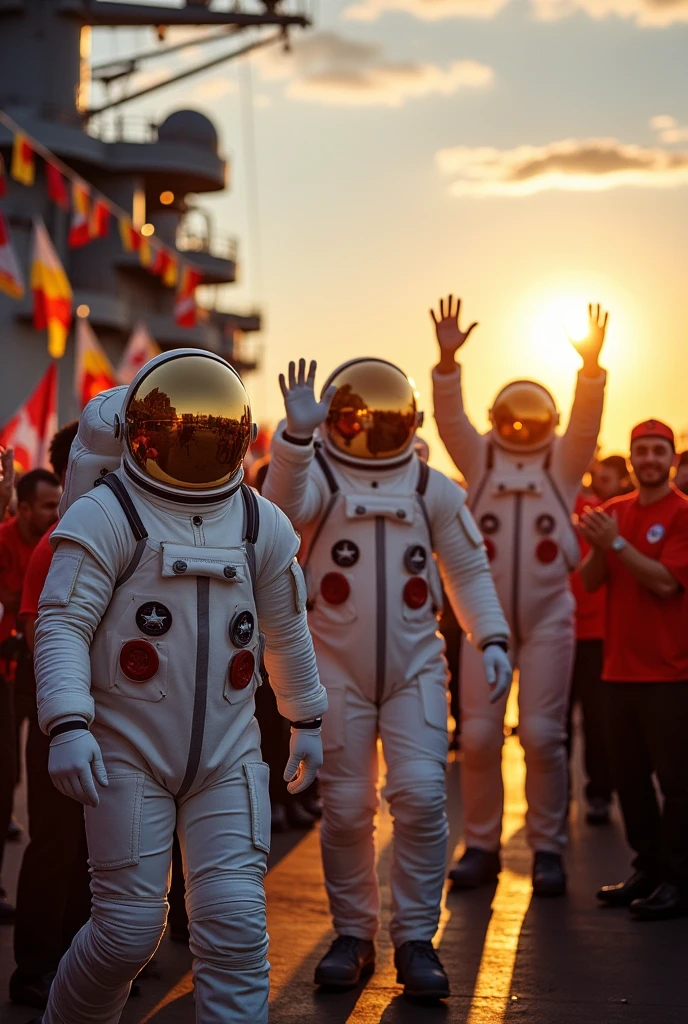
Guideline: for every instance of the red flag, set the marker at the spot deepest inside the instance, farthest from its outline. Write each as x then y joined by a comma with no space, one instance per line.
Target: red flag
100,219
31,429
80,231
93,371
57,189
185,302
3,178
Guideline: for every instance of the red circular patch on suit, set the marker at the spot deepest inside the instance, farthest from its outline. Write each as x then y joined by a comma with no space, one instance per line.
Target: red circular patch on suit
139,660
241,669
416,592
335,588
490,548
546,551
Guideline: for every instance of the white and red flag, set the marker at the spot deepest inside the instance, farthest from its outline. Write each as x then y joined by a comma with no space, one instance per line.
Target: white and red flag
31,429
140,349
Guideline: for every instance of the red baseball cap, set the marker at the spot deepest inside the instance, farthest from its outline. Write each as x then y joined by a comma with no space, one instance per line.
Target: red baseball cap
653,428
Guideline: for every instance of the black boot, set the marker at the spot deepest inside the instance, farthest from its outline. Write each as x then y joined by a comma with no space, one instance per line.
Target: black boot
638,886
476,867
420,971
278,819
30,990
549,877
665,902
346,962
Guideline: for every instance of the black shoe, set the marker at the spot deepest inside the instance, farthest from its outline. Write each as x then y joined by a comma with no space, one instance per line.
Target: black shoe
30,990
14,831
666,901
420,971
7,911
549,877
638,886
278,819
298,817
346,962
597,812
476,867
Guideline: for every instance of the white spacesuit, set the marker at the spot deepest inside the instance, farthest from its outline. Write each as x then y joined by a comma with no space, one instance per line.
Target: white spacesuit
372,516
168,584
522,480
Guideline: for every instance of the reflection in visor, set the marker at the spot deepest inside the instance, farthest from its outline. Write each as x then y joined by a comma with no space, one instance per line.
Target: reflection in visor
373,413
189,423
524,415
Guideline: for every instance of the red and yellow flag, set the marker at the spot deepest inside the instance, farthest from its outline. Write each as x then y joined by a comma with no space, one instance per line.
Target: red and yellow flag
80,231
185,302
11,282
93,370
166,266
23,160
57,188
52,292
131,239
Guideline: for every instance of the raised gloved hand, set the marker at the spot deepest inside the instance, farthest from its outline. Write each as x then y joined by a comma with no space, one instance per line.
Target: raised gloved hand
305,757
498,671
304,411
74,762
449,334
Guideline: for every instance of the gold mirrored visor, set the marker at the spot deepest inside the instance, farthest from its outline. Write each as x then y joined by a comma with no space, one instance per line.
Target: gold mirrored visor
189,423
373,414
524,415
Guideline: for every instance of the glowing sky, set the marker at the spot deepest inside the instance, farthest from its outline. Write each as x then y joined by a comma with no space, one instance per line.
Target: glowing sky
529,155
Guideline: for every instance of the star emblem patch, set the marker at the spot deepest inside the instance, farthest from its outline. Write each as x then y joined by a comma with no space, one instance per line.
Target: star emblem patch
153,618
345,554
415,559
242,628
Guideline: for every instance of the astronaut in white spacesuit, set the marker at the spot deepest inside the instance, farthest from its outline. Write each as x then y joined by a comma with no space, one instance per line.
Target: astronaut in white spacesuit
523,480
373,517
169,583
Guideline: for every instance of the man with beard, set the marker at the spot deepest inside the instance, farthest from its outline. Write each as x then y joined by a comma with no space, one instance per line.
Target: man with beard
639,550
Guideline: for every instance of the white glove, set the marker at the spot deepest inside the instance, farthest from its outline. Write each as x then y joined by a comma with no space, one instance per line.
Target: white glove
498,671
305,757
73,762
304,411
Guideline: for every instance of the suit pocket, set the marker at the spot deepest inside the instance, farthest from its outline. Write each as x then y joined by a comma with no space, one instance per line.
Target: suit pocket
113,828
258,777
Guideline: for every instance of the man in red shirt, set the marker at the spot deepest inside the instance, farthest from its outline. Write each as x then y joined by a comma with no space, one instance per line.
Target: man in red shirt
639,550
38,495
609,479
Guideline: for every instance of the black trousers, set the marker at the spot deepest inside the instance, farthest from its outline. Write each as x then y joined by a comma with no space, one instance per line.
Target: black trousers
647,734
53,896
8,761
588,691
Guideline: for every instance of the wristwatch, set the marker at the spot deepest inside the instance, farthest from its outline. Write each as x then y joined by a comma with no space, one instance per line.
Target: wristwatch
618,544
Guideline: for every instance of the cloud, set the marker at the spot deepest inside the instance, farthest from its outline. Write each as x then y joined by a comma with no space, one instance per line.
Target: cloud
333,69
427,10
573,164
668,129
644,12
